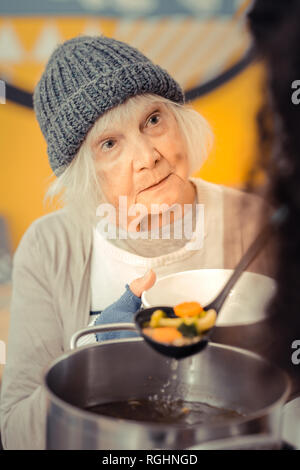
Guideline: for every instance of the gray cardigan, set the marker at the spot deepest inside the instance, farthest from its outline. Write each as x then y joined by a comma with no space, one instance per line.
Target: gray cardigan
51,300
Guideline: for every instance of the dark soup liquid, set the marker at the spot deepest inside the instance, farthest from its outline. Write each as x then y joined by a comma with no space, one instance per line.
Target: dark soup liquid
163,411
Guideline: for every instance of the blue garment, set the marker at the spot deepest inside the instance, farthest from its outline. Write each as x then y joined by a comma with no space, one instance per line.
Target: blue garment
121,311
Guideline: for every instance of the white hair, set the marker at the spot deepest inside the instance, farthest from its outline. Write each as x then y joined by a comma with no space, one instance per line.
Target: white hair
78,187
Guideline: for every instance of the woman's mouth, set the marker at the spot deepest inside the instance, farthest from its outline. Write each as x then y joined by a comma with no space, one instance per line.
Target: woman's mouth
158,185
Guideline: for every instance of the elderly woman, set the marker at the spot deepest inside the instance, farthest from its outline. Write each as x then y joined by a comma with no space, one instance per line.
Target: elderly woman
116,127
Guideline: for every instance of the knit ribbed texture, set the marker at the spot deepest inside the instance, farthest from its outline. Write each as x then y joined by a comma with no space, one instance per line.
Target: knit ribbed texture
85,77
121,311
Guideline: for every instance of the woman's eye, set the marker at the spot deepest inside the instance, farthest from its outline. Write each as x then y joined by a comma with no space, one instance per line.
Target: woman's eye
108,144
154,119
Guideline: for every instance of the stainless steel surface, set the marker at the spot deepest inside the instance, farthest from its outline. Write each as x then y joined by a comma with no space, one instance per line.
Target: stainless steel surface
126,369
249,442
96,329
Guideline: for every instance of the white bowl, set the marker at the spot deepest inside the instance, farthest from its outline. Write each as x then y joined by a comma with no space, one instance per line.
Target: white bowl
245,304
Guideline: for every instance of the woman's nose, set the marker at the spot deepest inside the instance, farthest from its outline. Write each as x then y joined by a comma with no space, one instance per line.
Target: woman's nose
145,154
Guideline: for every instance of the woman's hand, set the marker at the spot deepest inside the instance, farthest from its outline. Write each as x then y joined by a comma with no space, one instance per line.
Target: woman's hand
123,310
140,284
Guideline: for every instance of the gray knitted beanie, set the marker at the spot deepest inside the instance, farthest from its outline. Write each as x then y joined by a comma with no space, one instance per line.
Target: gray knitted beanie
84,77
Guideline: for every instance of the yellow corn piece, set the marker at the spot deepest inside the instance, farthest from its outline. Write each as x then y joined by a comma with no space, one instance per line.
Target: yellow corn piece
159,319
156,317
206,322
170,322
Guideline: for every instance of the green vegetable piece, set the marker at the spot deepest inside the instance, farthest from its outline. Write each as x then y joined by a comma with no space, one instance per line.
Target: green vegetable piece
188,331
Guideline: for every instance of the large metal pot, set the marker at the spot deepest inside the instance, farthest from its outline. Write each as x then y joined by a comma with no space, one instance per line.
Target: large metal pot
118,370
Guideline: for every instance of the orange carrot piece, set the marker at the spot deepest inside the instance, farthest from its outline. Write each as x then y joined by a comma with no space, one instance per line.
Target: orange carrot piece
188,309
148,331
165,334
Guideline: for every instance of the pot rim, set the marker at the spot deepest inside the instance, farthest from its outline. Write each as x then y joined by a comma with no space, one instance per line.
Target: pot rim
92,417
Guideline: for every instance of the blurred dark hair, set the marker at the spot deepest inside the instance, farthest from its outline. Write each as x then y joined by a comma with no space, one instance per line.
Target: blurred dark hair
275,28
276,33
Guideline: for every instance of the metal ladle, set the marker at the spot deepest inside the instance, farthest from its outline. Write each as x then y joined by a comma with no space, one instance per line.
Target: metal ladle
179,352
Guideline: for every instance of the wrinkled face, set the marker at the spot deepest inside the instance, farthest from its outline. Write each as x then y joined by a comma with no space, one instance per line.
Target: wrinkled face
144,157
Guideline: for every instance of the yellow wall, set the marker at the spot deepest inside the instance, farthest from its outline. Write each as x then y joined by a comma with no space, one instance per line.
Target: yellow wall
231,110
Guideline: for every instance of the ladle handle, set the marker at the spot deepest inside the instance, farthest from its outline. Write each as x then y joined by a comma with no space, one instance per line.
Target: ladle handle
276,219
100,328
